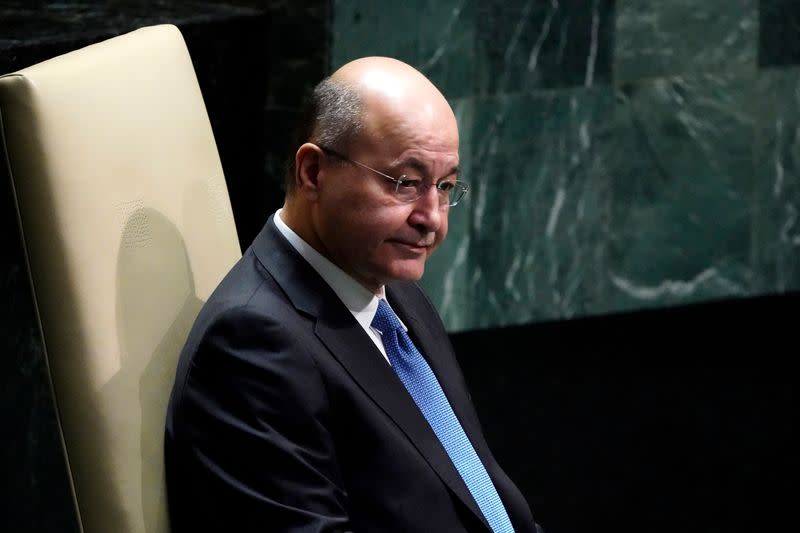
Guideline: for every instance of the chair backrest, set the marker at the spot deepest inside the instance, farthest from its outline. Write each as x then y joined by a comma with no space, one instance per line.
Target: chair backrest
127,227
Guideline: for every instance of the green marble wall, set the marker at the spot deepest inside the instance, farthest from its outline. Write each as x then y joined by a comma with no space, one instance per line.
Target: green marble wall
623,154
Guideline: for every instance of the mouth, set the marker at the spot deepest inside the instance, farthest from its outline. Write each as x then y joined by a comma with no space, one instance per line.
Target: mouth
415,246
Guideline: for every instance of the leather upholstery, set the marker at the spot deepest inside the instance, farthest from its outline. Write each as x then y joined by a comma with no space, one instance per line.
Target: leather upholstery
127,227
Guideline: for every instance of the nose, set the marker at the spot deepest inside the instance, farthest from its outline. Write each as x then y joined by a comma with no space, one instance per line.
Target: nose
428,211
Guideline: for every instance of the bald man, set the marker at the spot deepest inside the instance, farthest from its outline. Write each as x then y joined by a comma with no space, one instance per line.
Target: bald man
318,390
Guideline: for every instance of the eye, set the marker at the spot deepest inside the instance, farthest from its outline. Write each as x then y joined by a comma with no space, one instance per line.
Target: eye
408,183
446,186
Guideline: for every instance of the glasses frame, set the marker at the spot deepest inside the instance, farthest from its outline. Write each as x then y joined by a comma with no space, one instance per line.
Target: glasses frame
457,193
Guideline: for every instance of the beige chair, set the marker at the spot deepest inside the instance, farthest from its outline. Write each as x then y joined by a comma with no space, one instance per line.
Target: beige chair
127,227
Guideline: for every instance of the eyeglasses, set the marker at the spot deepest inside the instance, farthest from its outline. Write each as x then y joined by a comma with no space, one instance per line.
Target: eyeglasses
408,189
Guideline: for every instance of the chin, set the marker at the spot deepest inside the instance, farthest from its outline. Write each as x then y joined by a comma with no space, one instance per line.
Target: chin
408,273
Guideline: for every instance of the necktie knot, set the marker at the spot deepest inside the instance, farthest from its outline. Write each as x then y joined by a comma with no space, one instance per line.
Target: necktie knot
385,320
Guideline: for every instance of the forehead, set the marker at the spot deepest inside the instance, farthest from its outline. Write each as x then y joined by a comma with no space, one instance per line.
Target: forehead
435,167
420,132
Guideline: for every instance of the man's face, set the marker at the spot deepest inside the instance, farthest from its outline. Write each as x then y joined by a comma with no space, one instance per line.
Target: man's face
365,229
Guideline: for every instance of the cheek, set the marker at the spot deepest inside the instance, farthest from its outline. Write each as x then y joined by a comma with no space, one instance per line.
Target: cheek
382,220
441,234
364,231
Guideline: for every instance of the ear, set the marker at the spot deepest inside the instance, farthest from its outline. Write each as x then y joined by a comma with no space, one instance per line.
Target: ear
307,166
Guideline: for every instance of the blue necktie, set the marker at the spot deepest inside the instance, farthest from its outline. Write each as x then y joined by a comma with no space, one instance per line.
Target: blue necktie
419,379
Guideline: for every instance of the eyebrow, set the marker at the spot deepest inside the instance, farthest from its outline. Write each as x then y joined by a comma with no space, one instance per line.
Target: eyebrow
420,167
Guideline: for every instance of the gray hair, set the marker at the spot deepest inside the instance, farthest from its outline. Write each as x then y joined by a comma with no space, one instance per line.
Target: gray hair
332,118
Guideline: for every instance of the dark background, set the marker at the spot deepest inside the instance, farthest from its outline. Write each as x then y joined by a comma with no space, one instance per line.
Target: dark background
677,419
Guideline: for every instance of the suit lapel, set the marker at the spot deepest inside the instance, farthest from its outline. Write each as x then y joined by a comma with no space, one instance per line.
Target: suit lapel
348,343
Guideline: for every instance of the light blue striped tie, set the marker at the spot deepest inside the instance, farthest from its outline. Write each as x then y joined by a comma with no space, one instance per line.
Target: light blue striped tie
419,379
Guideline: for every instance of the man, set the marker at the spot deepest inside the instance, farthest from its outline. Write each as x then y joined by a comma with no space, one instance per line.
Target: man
300,402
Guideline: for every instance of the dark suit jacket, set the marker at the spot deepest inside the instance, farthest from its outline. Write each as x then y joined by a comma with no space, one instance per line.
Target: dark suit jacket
285,416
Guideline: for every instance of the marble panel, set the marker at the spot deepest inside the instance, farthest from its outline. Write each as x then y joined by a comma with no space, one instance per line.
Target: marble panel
683,175
779,38
533,44
529,242
436,37
589,202
657,39
776,192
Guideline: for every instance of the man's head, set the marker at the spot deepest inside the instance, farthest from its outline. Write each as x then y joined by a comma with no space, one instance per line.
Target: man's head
373,120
